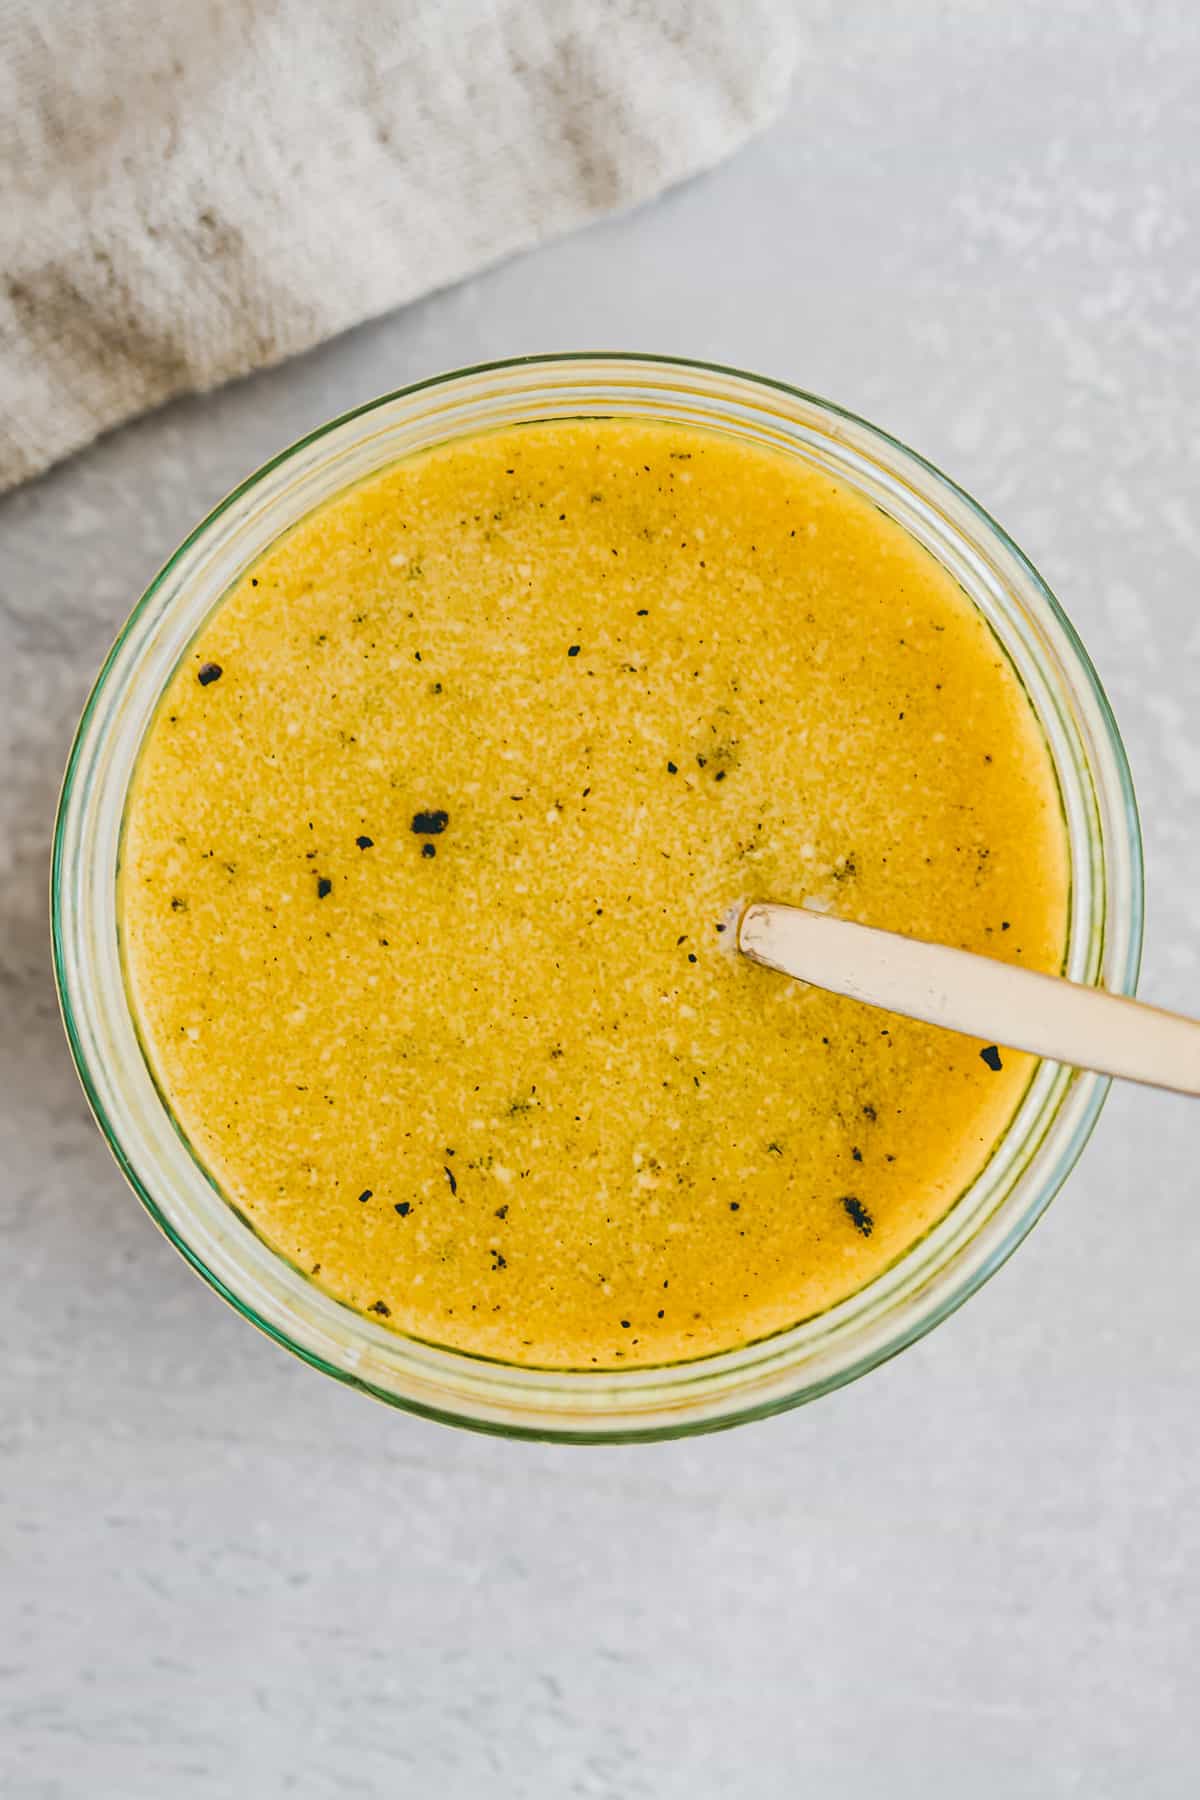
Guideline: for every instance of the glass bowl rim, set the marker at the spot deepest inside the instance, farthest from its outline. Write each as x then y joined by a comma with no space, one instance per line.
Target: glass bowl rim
591,1427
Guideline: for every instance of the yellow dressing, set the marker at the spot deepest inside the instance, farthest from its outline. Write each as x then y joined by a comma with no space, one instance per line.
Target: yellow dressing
500,1080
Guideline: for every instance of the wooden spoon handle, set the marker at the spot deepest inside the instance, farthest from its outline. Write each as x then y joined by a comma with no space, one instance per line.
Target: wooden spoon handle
977,995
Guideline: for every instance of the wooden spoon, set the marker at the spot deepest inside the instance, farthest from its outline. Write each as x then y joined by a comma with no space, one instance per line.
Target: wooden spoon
957,989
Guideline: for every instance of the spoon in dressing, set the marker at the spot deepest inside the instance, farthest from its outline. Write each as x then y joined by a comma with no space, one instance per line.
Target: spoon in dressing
961,991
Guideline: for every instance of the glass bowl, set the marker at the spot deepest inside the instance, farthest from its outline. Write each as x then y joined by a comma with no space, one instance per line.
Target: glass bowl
1046,1134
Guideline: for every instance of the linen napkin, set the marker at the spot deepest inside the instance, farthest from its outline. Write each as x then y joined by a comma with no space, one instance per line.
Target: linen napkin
192,192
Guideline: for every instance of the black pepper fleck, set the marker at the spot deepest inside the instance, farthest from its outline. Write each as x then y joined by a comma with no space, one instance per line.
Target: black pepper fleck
451,1180
573,649
365,843
379,1307
324,886
428,849
209,672
858,1214
366,1193
991,1057
403,1207
430,824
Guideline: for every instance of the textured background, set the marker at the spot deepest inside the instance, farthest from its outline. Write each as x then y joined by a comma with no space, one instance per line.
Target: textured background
195,197
974,1573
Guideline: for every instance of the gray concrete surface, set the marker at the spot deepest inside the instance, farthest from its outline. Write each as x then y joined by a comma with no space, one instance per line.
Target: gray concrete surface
976,1572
